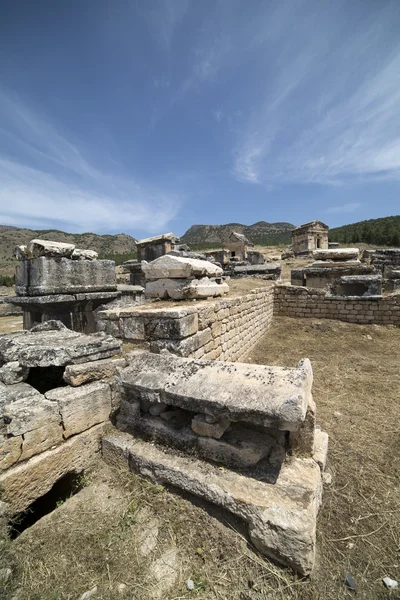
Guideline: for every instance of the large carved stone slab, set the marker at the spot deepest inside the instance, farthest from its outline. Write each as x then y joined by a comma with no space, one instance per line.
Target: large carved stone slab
281,517
176,267
42,276
269,396
55,348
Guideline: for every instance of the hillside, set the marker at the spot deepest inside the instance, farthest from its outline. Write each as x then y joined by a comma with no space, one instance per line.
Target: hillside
261,233
379,232
118,247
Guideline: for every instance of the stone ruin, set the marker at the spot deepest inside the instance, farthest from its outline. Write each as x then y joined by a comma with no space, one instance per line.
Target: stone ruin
258,422
181,278
386,261
330,265
177,419
57,281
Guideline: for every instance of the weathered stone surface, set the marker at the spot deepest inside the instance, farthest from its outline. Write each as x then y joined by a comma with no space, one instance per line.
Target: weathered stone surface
214,430
269,396
336,254
43,276
302,441
24,483
176,267
174,329
13,372
334,264
242,448
281,517
185,289
29,424
356,285
157,408
270,269
51,325
321,448
128,415
79,254
91,371
57,348
20,252
82,407
37,248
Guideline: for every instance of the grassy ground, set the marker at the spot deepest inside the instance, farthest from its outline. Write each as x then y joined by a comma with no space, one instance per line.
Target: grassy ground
137,541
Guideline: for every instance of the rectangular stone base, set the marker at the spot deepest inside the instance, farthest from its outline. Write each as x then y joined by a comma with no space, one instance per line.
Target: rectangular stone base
281,517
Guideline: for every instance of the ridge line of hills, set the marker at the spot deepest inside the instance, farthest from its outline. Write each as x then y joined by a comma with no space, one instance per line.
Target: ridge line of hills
120,247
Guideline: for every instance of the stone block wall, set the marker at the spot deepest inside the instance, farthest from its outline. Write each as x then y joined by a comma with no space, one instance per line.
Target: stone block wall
225,329
291,301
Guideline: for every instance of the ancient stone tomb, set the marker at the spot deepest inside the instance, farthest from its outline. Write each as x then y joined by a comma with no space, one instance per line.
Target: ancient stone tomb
256,421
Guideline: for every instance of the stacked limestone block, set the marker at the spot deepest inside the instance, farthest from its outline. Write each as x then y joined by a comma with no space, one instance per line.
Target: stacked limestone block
48,426
256,421
387,262
223,329
330,264
180,278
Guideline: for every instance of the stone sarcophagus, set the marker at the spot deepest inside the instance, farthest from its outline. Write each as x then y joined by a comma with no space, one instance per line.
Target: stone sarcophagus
256,421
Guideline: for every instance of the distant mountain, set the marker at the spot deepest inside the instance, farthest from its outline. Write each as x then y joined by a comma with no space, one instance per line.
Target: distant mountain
262,233
119,247
379,232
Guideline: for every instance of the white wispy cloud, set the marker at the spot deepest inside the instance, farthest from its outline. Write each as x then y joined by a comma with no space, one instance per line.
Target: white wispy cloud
344,208
331,109
47,179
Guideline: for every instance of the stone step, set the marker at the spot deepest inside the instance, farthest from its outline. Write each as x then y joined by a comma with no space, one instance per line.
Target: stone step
262,395
281,517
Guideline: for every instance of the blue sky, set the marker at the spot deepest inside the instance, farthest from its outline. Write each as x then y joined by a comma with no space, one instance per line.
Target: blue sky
142,116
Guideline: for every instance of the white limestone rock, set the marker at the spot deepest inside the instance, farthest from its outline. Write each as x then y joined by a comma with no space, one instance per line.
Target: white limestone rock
336,254
79,254
185,289
13,372
176,267
38,247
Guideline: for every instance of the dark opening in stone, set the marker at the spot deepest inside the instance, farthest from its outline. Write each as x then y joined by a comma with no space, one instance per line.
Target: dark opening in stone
66,487
44,379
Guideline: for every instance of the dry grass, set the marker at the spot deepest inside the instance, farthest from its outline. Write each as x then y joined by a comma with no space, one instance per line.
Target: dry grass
96,537
356,374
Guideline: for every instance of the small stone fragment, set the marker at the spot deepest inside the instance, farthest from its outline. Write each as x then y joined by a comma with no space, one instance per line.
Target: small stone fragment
214,430
89,593
390,584
156,409
211,419
13,372
326,478
350,583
